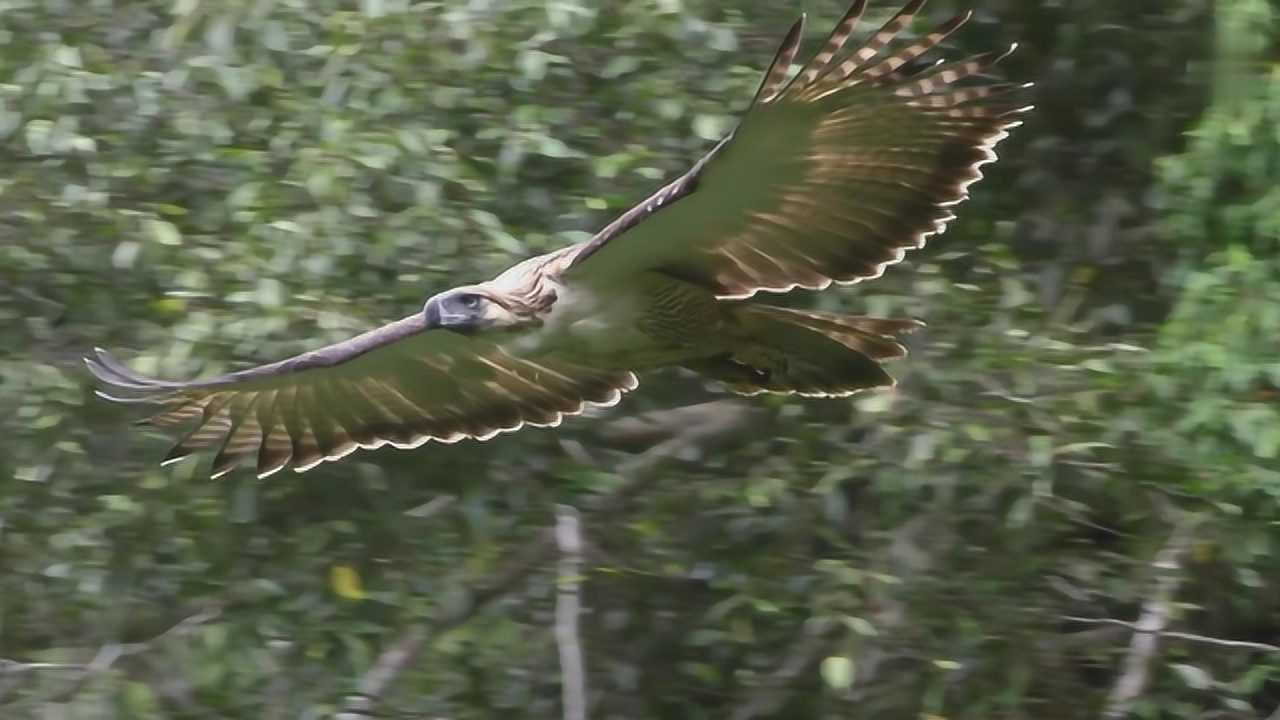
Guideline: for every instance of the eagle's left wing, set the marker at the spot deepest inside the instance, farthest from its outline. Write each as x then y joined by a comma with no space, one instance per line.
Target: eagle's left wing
401,384
828,177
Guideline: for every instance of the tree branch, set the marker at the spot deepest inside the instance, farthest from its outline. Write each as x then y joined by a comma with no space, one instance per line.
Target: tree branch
573,680
800,658
394,660
637,474
1154,618
908,555
1192,637
434,507
107,655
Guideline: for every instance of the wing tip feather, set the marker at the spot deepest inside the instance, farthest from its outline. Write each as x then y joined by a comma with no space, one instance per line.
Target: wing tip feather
171,458
264,474
219,473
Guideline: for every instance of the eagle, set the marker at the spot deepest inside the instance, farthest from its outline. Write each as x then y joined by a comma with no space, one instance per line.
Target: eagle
830,175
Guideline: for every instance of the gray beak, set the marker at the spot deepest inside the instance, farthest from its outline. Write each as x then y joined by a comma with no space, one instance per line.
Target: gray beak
437,317
431,313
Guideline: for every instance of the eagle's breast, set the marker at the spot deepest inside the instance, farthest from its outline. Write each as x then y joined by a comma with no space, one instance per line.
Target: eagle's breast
678,313
654,321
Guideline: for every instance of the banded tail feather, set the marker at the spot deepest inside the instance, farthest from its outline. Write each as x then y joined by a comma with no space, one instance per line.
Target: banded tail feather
808,353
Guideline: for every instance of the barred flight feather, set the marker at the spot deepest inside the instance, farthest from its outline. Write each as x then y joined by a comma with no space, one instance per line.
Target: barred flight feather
839,72
776,75
821,60
830,177
388,395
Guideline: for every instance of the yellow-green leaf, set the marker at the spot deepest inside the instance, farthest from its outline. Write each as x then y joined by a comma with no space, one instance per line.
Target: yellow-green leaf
345,581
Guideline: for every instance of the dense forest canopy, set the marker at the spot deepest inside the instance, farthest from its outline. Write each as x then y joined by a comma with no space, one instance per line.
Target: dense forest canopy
1084,444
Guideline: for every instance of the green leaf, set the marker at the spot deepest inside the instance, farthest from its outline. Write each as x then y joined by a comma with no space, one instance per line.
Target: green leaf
620,65
710,127
1195,677
139,699
163,232
1040,450
838,672
556,148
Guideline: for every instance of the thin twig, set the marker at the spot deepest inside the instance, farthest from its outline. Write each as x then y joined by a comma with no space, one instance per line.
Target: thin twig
394,660
799,658
16,667
1151,623
573,681
1192,637
435,506
107,655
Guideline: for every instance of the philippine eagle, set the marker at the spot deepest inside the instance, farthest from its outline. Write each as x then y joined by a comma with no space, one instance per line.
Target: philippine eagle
832,173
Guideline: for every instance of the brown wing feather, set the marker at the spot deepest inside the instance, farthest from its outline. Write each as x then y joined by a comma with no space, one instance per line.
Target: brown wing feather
776,75
830,178
398,385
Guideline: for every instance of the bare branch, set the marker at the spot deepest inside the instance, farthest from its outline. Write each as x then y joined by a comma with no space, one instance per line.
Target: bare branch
16,667
638,475
573,681
1156,612
645,431
1192,637
394,660
435,506
108,654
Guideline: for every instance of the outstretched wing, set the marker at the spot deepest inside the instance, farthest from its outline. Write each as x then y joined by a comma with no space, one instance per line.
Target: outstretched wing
830,176
397,385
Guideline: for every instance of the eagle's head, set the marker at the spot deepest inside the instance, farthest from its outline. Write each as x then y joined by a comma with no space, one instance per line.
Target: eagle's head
473,308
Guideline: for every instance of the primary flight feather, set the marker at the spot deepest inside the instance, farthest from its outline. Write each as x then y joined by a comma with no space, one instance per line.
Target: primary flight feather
833,172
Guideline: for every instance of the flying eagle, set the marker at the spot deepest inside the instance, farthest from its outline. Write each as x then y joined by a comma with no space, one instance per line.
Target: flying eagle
831,174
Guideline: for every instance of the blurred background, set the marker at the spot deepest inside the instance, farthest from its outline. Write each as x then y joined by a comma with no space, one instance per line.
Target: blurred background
1085,439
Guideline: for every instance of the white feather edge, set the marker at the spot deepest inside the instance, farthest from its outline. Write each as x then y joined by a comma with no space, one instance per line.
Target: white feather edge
893,383
987,147
630,382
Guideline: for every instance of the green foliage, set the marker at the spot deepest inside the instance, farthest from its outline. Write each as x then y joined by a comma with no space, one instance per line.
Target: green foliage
205,185
1224,217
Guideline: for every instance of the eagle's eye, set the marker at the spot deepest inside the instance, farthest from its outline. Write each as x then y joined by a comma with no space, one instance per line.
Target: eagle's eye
470,301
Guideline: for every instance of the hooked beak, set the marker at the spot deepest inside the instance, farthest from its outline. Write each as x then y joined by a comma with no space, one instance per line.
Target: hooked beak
431,314
436,318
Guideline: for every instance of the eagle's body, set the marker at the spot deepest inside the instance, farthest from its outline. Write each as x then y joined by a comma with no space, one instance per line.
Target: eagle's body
832,174
655,322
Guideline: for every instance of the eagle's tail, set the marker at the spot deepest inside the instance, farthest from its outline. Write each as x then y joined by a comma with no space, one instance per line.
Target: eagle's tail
807,352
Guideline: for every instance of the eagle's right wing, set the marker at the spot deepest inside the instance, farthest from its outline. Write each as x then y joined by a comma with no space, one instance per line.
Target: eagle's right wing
830,176
400,385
